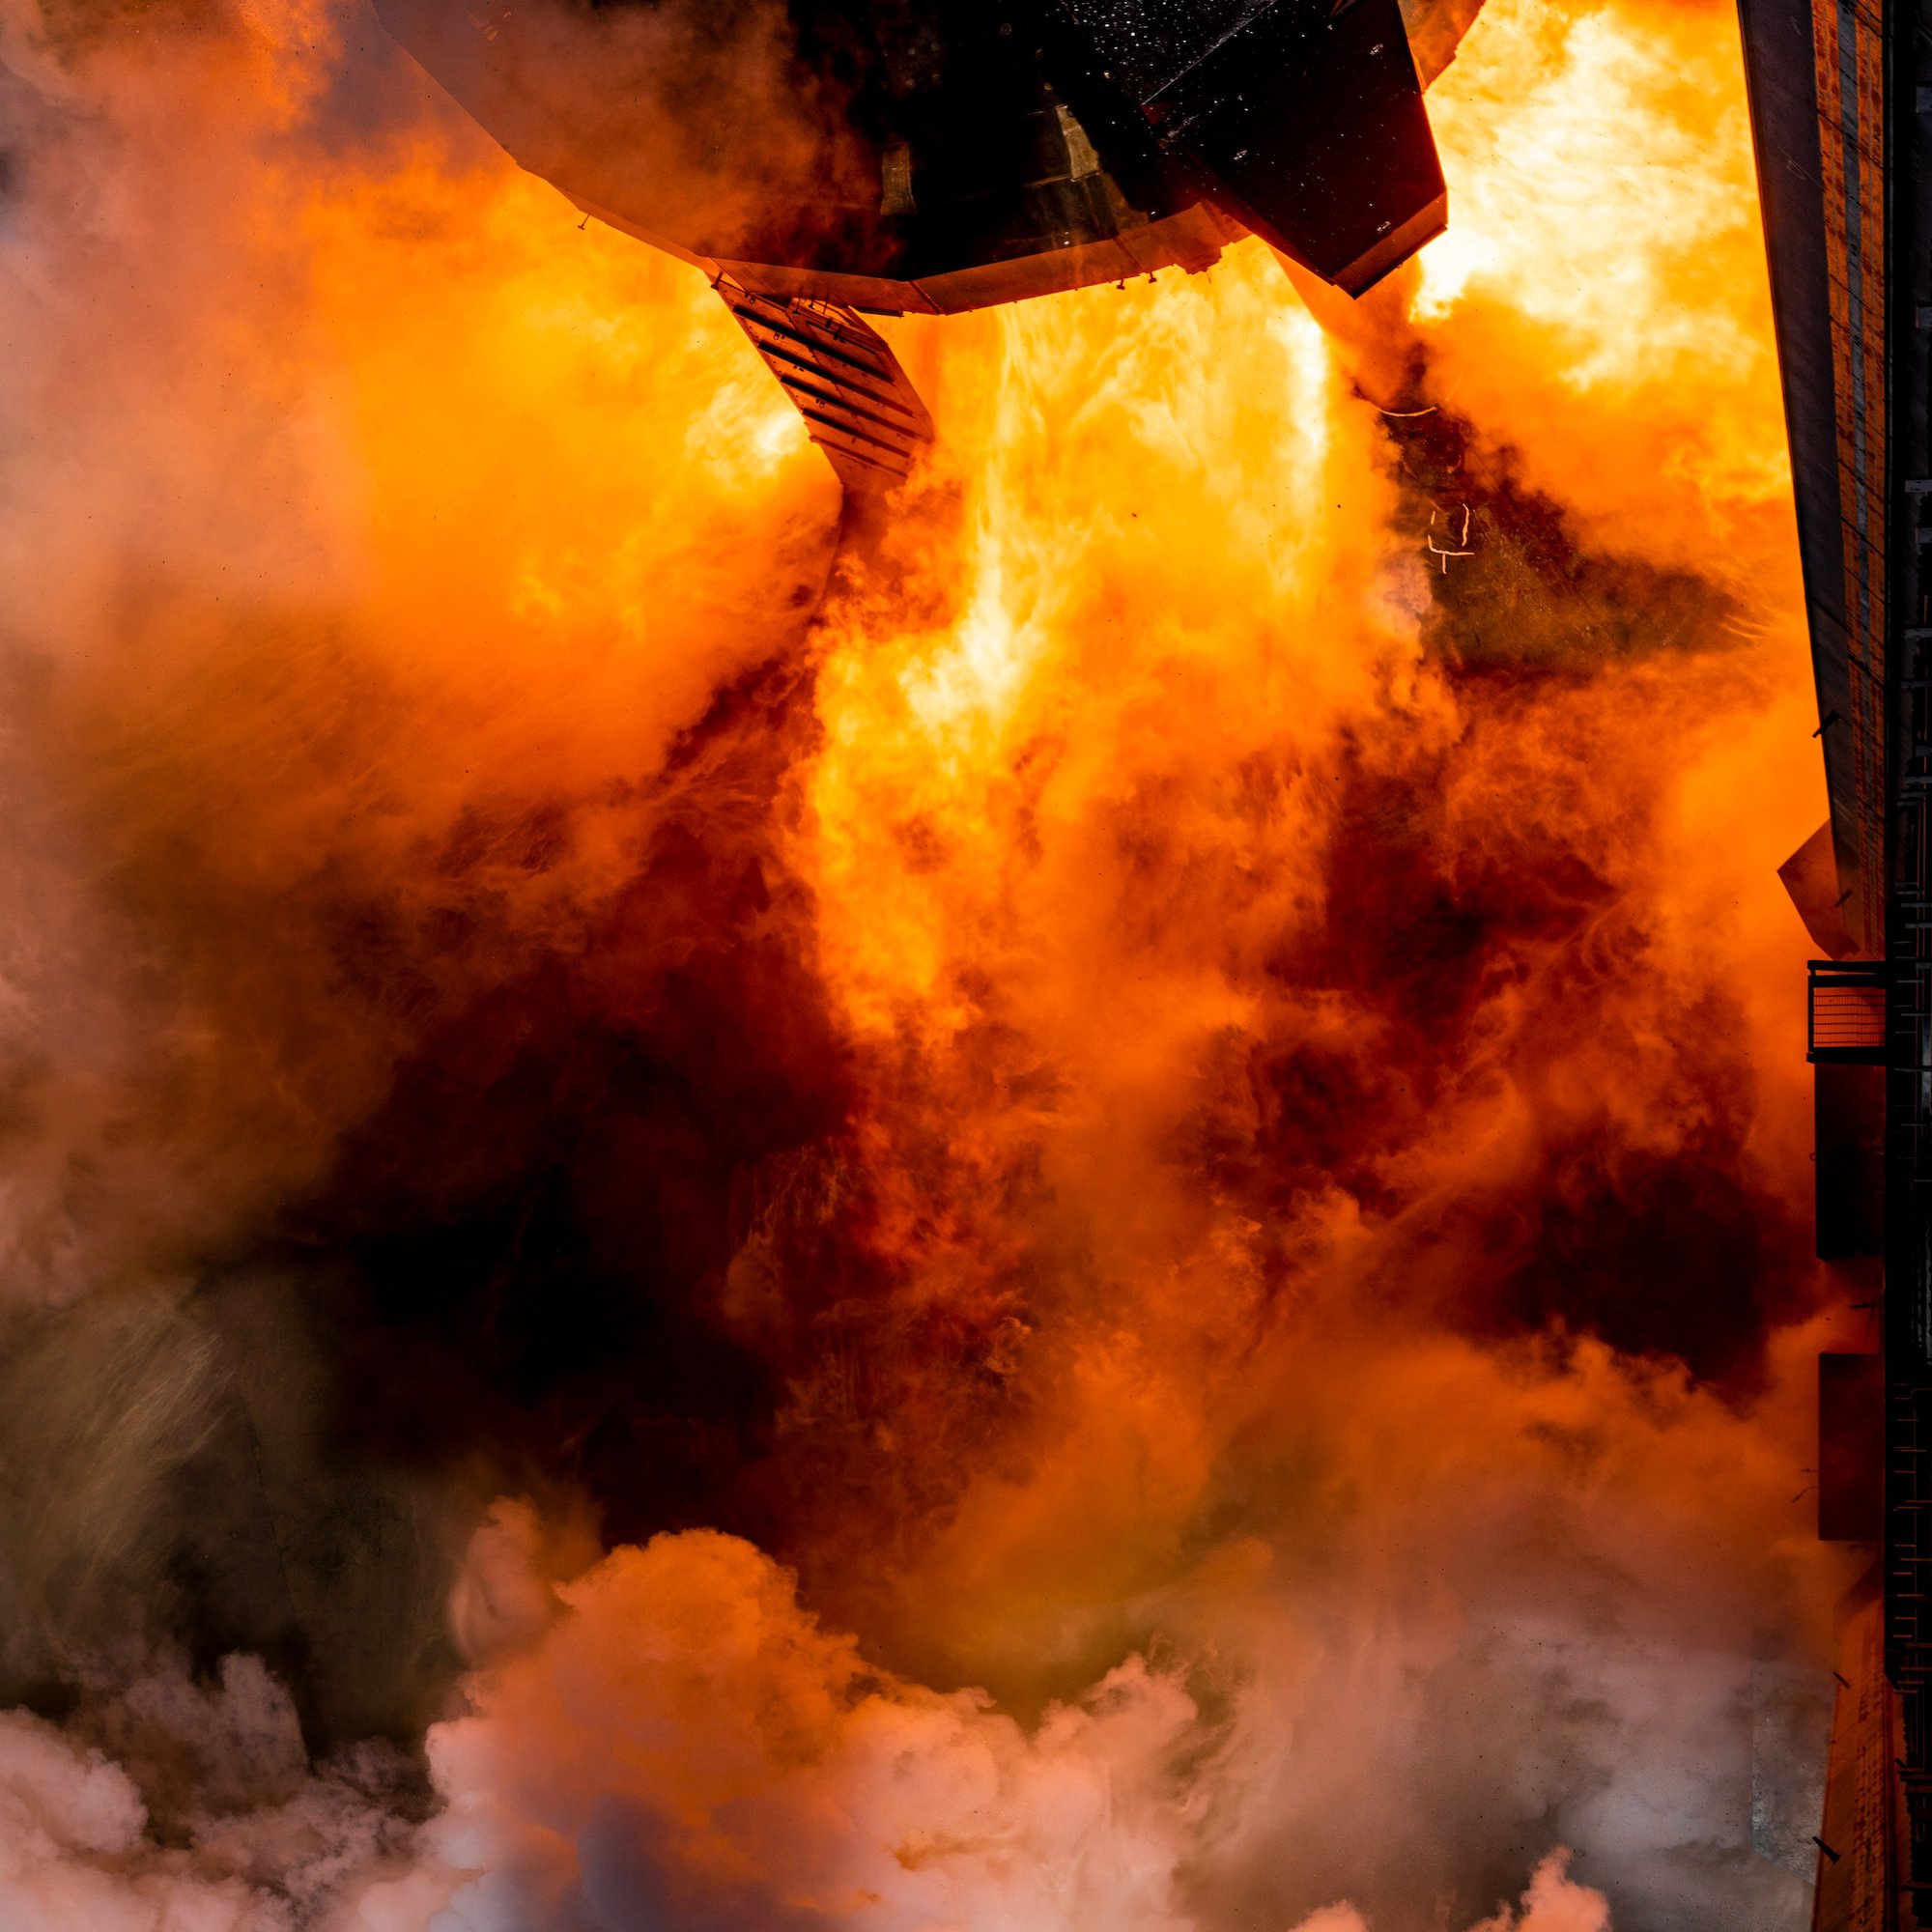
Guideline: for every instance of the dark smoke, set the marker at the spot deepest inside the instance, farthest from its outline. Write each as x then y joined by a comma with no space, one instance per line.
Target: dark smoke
1229,1210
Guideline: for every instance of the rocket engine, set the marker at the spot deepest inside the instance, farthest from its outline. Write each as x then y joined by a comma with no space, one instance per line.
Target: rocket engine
830,156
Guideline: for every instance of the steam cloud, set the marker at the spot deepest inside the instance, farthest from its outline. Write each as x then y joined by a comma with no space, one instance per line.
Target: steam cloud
1099,1225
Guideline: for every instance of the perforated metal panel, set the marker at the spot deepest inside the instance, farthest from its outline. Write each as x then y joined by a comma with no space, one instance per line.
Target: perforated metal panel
846,383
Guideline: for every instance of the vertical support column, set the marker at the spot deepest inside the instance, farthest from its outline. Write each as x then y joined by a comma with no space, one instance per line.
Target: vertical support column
1907,1561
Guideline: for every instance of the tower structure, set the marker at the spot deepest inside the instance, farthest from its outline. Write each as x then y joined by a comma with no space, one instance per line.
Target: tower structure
1841,116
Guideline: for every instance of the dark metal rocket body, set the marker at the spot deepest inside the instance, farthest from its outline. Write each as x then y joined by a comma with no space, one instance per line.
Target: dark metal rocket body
935,156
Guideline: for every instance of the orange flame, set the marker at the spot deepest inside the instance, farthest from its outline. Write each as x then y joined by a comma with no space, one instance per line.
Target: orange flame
1299,1294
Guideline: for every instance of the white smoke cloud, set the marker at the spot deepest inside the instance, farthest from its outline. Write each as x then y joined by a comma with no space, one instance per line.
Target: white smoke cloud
670,1739
1552,1903
218,1826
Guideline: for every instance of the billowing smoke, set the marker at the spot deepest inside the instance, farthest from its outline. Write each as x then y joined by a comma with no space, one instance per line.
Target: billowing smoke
1094,1214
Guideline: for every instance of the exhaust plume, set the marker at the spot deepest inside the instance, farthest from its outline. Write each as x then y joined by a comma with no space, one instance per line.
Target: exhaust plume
1088,1212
